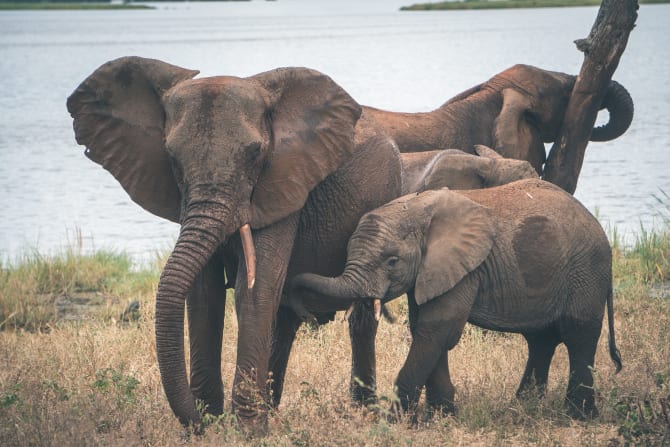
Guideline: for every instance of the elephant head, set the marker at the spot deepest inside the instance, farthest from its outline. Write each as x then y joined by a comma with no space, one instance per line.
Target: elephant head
515,112
500,170
455,169
427,242
218,155
533,105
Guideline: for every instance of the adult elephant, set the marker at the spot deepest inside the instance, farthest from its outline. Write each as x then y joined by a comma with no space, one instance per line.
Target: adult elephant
525,257
515,113
274,155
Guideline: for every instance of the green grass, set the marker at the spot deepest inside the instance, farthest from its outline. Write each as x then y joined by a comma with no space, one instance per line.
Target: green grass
32,285
505,4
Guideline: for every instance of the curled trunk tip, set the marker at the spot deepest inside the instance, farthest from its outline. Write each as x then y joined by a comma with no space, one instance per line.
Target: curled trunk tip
619,103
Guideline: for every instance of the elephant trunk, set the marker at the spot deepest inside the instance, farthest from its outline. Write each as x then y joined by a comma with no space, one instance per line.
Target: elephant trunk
344,287
200,235
619,103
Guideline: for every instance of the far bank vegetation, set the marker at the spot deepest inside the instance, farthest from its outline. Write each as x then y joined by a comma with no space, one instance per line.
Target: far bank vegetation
506,4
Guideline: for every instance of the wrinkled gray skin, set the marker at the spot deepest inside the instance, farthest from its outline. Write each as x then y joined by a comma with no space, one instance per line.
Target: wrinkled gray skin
524,257
449,168
515,113
455,169
277,151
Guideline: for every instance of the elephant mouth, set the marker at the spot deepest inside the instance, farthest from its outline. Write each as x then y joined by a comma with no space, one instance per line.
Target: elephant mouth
377,306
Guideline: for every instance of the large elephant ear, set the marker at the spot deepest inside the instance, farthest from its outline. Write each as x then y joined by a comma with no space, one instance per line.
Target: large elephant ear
313,122
458,240
514,136
119,117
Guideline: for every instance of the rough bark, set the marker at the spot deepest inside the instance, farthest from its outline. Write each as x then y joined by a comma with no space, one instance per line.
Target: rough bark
602,50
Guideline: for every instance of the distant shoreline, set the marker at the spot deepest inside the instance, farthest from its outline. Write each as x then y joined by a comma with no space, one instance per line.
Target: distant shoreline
69,6
505,4
82,5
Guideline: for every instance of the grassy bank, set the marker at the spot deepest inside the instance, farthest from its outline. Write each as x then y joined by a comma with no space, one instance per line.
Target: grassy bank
8,6
95,381
505,4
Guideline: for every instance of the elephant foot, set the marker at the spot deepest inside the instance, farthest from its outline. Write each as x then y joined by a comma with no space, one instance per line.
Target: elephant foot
209,399
254,427
251,409
394,413
400,411
531,392
362,395
444,410
580,402
581,409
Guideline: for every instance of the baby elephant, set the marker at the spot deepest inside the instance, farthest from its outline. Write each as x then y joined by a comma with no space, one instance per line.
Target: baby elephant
446,168
455,169
525,257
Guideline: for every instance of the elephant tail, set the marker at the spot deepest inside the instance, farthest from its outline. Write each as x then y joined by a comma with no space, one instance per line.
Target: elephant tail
615,355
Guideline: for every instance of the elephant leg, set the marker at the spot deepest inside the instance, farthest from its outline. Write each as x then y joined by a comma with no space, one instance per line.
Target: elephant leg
256,312
439,325
413,311
362,333
439,389
423,362
206,305
581,339
541,348
286,326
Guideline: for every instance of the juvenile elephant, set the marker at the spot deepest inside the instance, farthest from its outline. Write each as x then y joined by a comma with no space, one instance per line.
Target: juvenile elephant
455,169
275,155
524,257
515,113
450,168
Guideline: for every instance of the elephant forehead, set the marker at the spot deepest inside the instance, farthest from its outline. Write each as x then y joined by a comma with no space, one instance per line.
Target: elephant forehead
229,93
218,109
369,224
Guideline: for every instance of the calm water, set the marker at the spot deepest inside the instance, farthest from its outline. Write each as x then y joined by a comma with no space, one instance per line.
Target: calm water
396,60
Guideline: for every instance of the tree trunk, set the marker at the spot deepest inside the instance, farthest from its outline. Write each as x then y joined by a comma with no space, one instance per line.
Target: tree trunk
602,51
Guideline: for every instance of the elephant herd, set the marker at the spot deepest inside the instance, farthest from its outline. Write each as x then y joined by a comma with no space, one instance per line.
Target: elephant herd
307,203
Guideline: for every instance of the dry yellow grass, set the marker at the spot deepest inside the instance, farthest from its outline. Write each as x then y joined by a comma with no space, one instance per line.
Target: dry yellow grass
97,383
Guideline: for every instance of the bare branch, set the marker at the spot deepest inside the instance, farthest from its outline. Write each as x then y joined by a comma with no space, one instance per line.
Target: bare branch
602,50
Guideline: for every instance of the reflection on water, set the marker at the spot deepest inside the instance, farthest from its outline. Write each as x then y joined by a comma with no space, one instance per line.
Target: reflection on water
382,57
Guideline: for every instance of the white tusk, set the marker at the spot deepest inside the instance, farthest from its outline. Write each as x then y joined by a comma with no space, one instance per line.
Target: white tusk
378,309
249,254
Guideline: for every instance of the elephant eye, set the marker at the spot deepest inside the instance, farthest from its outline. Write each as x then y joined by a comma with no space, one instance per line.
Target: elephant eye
392,261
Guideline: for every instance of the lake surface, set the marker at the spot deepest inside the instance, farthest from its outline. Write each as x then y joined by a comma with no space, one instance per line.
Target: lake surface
404,61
